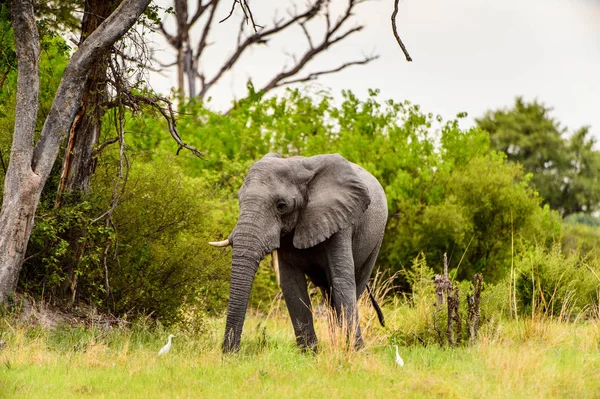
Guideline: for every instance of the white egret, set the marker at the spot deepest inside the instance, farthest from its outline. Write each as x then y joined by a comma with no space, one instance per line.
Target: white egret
165,349
399,360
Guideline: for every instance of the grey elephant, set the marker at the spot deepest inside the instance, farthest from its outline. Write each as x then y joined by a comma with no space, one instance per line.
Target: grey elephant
323,217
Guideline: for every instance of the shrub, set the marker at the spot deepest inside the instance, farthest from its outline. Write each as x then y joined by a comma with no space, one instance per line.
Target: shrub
152,257
555,284
447,190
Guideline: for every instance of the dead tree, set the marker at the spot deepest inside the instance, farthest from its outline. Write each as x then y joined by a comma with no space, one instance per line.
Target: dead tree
446,292
78,162
31,161
189,55
473,308
454,321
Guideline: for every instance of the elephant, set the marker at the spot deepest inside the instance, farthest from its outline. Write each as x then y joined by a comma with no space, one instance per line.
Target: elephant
322,217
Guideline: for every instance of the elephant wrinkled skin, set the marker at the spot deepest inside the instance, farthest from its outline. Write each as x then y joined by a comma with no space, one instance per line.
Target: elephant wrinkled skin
326,217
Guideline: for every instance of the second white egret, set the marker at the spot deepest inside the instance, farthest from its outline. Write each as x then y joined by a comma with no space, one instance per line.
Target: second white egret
165,349
399,360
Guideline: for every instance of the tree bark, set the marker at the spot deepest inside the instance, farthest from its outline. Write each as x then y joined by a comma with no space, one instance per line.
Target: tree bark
30,164
78,161
181,15
20,182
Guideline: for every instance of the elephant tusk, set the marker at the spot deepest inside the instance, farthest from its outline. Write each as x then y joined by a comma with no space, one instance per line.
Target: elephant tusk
276,266
224,243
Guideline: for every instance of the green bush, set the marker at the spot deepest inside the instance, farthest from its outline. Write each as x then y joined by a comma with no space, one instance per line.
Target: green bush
428,322
556,284
447,190
582,238
152,257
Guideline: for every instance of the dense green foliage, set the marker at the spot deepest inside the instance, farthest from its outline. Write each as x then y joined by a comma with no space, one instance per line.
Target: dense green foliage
556,284
53,59
448,191
150,258
565,169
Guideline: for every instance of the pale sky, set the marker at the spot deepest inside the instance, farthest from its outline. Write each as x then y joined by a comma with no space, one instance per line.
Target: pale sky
469,55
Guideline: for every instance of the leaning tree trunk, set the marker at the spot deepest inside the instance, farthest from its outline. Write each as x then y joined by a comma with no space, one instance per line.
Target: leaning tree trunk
30,164
21,183
78,161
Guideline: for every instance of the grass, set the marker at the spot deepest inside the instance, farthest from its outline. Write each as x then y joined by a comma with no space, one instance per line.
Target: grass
536,357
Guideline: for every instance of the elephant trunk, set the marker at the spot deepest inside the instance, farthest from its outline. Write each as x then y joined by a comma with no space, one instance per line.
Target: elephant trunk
248,251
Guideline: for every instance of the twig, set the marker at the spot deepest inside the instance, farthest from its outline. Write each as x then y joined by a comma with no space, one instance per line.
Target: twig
2,162
106,269
104,145
329,39
3,78
256,38
395,30
247,14
120,128
315,75
170,117
230,12
207,26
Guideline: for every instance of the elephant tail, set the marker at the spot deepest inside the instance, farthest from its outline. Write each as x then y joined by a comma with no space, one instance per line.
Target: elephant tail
376,306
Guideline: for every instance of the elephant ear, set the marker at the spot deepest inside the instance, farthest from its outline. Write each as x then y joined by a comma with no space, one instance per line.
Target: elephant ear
337,198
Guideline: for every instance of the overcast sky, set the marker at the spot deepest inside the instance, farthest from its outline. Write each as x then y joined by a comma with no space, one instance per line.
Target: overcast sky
469,55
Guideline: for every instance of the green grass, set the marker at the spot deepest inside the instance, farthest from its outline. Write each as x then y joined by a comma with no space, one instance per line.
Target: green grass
532,358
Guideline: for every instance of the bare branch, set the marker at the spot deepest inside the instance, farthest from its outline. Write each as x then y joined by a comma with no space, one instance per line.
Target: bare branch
260,37
4,76
120,121
395,30
248,14
230,12
207,26
310,43
167,65
248,17
240,33
200,11
328,40
133,101
169,116
104,145
314,75
170,38
2,162
69,92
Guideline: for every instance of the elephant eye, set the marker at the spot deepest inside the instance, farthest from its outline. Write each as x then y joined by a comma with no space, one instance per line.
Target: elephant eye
281,205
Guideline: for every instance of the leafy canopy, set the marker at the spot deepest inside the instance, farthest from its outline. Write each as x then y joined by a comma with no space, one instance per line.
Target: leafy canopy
565,169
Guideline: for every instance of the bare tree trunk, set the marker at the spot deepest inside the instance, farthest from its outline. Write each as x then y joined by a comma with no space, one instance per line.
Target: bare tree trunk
78,162
181,14
30,164
21,184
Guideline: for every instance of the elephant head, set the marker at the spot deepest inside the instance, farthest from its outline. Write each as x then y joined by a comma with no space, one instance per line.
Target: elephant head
311,198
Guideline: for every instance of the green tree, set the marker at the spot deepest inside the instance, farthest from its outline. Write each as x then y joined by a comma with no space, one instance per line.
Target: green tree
564,169
447,190
31,161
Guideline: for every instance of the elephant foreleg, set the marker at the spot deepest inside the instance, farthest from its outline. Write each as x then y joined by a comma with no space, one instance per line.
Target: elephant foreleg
295,293
343,283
